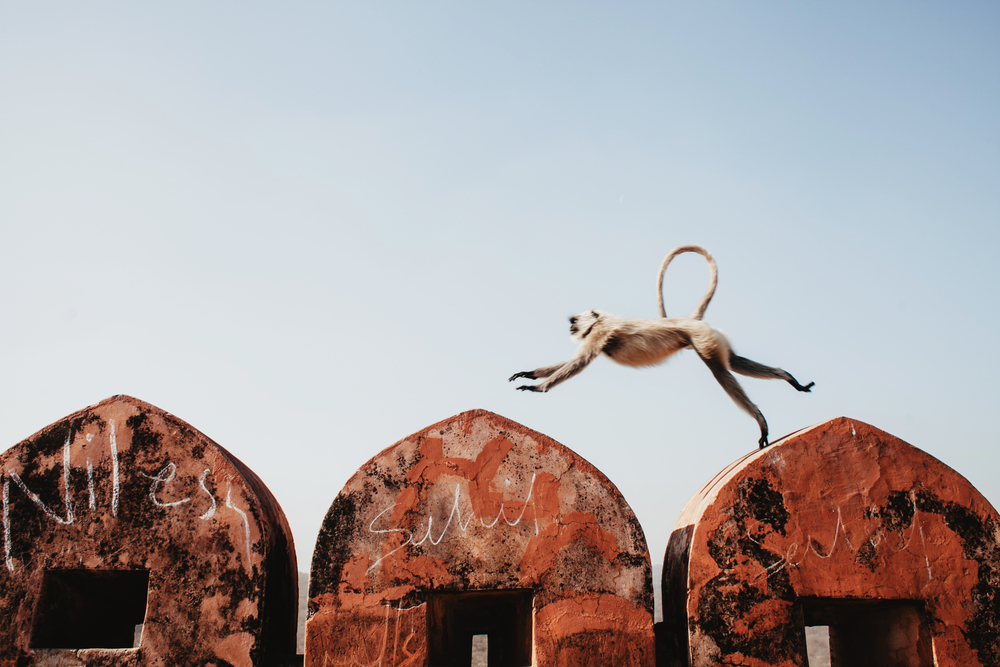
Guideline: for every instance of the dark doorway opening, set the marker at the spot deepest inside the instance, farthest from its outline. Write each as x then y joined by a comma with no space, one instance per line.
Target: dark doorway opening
869,633
455,619
90,609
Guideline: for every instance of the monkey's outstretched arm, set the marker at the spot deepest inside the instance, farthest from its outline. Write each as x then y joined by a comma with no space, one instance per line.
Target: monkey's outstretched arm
538,373
557,373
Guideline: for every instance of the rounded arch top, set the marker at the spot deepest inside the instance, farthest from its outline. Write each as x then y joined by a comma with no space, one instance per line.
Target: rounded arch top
840,511
444,494
479,504
123,490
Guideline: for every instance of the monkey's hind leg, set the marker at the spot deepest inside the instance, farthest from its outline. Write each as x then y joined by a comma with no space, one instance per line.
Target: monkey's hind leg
750,368
735,391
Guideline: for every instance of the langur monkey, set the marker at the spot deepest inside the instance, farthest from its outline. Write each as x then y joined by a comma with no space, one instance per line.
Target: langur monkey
638,343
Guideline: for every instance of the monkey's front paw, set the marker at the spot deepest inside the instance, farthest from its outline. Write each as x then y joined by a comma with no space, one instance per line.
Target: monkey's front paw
808,387
528,387
763,441
523,374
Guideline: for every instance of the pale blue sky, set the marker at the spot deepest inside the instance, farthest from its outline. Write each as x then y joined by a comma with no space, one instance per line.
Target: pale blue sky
312,229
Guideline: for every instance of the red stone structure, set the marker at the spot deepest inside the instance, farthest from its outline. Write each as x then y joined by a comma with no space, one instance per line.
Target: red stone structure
130,538
478,526
844,527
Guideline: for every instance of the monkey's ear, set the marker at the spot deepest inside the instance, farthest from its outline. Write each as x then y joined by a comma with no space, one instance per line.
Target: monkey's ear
594,313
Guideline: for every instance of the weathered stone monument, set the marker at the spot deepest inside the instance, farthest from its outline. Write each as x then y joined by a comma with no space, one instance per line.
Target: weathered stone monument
478,529
130,538
842,527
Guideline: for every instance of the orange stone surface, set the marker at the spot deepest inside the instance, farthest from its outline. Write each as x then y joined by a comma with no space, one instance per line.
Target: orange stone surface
479,503
837,514
121,491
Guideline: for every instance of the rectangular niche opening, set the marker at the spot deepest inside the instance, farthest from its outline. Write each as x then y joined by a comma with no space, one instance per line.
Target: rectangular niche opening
90,609
480,628
866,633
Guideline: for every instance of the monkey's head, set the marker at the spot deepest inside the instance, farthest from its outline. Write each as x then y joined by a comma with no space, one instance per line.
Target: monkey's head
581,325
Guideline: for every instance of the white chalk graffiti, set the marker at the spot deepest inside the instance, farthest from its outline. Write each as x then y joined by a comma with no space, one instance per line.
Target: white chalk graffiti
6,526
115,484
201,482
38,501
165,476
91,500
394,651
246,521
454,515
160,481
840,527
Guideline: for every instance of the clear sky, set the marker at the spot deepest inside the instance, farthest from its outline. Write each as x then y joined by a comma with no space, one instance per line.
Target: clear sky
311,229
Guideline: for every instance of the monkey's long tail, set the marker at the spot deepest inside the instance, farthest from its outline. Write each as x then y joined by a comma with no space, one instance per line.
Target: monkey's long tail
713,279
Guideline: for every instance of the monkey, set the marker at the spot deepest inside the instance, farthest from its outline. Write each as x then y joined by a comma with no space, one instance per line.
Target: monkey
648,342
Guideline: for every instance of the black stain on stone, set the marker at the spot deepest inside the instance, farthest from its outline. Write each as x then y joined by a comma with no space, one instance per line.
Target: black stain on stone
389,479
928,502
44,475
728,597
866,555
977,535
764,503
897,512
332,549
198,450
144,437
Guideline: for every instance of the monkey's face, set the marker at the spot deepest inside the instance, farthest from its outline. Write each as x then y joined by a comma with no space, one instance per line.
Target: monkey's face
580,325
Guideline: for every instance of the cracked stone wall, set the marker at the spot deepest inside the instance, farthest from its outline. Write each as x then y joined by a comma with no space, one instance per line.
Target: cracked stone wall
122,490
475,503
840,513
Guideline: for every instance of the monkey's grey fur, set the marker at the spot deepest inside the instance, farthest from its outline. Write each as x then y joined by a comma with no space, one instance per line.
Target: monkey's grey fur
638,343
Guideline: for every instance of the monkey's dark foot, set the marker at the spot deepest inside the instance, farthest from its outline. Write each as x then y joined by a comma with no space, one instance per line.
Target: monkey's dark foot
528,387
795,383
523,374
763,441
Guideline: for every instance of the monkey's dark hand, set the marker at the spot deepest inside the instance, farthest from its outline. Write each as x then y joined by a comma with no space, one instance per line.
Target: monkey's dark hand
528,387
763,441
523,374
808,387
